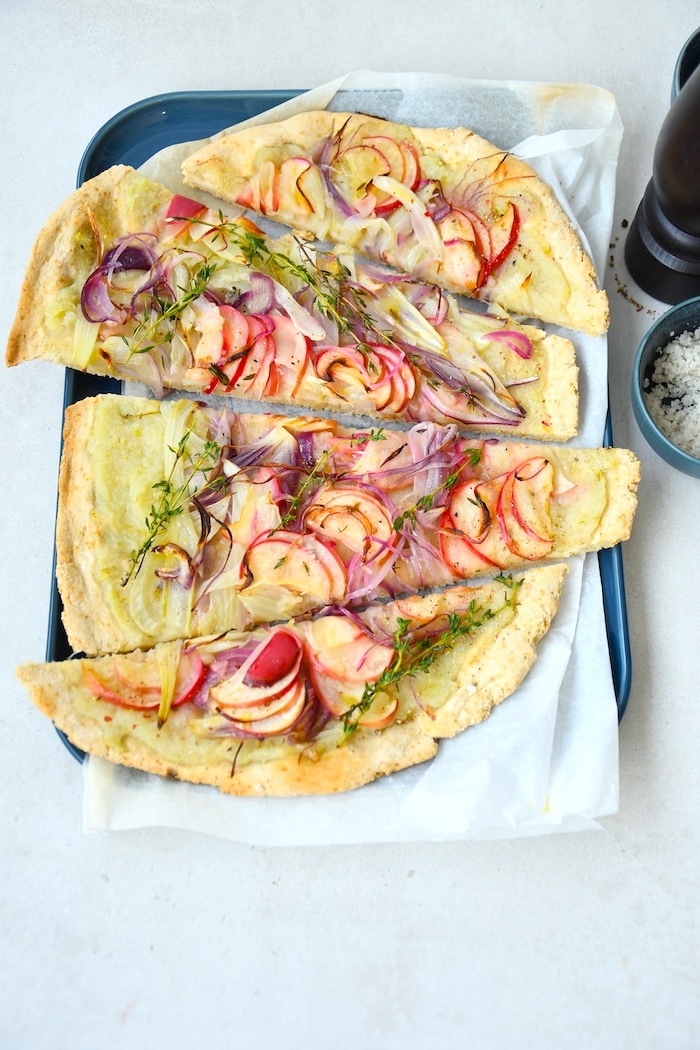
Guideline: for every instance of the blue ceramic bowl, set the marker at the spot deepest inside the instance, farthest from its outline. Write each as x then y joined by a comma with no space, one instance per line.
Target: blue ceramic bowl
687,62
683,317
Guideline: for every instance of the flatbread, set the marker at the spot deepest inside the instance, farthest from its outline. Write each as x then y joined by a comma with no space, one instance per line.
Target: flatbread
458,690
423,355
298,513
528,260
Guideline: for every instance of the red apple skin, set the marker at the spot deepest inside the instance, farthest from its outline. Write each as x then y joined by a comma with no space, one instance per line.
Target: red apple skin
360,659
139,696
278,658
194,675
276,707
327,690
277,724
370,721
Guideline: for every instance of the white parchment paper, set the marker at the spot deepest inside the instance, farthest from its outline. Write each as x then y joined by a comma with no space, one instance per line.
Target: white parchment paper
546,759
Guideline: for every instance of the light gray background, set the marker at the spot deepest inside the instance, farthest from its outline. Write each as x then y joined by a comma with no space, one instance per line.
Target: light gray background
170,938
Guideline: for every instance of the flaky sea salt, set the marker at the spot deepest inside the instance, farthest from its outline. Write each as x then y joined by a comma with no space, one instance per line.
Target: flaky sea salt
672,395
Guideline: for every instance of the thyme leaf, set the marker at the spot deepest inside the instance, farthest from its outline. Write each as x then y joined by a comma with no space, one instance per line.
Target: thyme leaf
150,332
415,653
425,503
335,293
172,498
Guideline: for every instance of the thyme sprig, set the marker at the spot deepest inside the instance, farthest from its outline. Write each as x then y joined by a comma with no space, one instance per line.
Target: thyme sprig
173,498
414,653
319,475
427,502
336,296
150,332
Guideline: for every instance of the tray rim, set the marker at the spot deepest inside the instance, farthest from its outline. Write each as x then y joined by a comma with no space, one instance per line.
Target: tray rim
79,385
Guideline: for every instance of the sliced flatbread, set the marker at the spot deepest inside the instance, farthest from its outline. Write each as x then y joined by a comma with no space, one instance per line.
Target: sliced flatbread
233,714
127,280
442,203
177,520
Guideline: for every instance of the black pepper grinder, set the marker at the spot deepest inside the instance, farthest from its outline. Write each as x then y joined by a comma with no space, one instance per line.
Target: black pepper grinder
662,250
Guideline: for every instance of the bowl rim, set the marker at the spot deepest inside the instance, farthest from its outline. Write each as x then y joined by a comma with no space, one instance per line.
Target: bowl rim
638,401
693,41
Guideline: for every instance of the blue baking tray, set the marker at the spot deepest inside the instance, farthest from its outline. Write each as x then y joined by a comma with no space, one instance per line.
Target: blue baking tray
131,137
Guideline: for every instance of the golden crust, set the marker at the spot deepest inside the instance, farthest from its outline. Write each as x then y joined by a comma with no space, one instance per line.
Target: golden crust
488,667
78,529
547,275
64,255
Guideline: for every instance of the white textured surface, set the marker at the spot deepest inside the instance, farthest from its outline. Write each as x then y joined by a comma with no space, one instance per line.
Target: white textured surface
158,937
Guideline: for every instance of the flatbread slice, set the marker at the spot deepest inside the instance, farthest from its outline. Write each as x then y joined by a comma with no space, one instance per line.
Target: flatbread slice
127,280
310,707
177,520
443,203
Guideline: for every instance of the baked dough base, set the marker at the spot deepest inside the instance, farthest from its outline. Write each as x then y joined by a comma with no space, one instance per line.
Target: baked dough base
103,481
547,275
480,672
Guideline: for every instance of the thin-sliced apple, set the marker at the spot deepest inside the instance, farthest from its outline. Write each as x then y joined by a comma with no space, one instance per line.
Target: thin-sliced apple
235,331
234,693
269,187
114,692
463,261
391,150
254,710
136,684
328,360
256,375
311,187
469,511
179,213
343,651
355,168
333,565
381,712
249,196
208,322
461,557
522,509
140,674
411,161
290,172
353,520
298,563
280,722
336,696
291,354
482,234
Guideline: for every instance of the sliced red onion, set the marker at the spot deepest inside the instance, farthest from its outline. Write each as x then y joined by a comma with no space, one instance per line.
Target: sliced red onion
442,367
517,341
134,252
95,301
471,413
381,276
366,577
305,441
260,297
523,382
423,296
312,720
